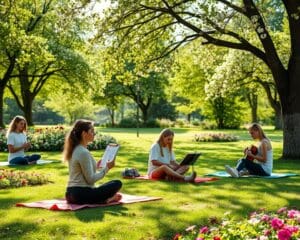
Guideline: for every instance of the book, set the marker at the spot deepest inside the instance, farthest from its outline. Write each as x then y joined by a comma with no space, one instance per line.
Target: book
110,154
190,159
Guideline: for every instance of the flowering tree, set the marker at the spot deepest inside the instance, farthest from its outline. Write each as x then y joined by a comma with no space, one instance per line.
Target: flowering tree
231,24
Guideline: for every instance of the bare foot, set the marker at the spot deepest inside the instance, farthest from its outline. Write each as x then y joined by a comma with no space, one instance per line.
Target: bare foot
115,198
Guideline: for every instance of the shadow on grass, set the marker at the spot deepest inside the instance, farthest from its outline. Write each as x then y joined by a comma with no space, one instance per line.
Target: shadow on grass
16,230
97,214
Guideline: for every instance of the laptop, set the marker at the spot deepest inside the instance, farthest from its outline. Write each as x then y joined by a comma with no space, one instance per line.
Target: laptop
190,159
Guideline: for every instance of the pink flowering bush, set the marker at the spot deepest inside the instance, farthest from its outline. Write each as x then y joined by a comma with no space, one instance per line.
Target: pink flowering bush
14,179
215,137
52,139
261,225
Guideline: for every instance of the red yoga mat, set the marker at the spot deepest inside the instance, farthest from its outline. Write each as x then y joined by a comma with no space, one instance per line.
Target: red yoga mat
62,205
197,179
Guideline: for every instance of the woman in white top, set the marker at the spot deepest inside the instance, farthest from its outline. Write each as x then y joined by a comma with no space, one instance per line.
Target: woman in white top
17,143
162,163
83,170
260,164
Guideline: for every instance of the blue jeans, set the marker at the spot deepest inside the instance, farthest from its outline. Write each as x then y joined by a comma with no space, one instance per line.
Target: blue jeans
253,168
85,195
25,160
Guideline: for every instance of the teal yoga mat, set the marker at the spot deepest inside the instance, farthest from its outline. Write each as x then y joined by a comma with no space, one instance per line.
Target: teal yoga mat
274,175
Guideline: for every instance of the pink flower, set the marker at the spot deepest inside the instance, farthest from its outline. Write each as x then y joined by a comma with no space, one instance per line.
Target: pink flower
177,236
281,210
292,213
284,234
292,229
199,238
204,229
265,218
277,223
267,232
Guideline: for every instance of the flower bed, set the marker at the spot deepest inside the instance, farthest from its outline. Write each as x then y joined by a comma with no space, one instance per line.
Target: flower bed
14,179
52,139
215,137
261,225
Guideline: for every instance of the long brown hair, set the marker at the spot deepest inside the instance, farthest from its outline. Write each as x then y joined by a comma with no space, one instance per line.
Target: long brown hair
258,128
13,124
165,133
74,136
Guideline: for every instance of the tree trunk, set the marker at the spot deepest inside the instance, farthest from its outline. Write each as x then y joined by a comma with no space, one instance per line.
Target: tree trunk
28,111
291,133
278,119
252,100
291,111
2,125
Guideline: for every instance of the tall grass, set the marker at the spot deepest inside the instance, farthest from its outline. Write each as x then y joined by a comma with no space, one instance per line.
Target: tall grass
182,204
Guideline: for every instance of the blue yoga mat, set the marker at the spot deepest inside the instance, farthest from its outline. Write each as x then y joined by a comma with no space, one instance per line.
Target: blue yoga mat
274,175
41,161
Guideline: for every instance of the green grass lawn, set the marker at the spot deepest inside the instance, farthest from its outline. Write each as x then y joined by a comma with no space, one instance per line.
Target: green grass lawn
182,204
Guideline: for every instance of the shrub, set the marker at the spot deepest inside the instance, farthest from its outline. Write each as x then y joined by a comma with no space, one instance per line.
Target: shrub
208,125
13,179
165,123
52,139
3,145
261,225
127,123
215,137
151,123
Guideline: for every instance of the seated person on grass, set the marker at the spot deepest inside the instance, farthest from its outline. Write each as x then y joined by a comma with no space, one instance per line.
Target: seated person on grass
162,163
83,170
17,143
257,161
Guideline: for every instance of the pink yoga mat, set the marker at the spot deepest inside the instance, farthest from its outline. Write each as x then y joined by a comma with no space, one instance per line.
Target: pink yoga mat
197,179
62,205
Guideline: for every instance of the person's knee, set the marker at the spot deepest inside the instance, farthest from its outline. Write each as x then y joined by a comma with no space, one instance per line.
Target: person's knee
118,184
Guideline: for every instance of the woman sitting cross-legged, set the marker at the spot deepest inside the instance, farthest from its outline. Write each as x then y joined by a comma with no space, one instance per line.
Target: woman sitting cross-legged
17,143
162,163
260,163
83,169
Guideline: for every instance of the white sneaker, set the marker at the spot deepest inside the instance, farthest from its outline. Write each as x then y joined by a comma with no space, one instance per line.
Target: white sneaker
232,171
191,177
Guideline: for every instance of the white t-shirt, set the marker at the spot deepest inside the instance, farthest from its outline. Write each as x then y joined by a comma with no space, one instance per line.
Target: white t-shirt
155,154
17,140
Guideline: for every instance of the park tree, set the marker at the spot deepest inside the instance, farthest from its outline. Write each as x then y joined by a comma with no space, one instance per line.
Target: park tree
217,22
71,101
47,37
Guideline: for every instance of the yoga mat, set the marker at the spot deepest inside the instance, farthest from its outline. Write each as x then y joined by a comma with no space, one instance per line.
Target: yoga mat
38,162
274,175
62,205
197,179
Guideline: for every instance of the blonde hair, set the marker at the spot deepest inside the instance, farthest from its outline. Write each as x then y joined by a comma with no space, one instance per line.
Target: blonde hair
163,134
74,136
258,128
13,124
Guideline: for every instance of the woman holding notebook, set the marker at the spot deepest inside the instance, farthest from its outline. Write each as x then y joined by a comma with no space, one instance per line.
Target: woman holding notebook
162,163
83,170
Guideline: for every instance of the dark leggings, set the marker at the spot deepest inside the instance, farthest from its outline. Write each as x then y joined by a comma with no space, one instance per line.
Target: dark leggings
253,168
25,160
85,195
